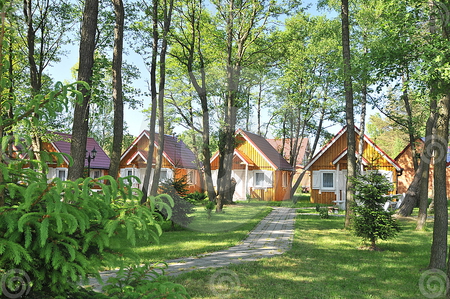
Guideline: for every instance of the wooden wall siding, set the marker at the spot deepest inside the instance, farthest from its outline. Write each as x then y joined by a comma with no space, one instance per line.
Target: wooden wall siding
282,192
324,198
325,162
405,161
252,153
263,194
48,147
369,153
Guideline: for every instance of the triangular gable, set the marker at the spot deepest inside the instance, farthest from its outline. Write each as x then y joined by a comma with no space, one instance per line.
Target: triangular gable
366,139
421,140
136,155
175,151
266,150
244,158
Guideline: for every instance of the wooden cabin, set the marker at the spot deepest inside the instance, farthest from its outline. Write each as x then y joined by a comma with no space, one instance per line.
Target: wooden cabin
99,166
329,168
405,160
284,148
259,170
178,161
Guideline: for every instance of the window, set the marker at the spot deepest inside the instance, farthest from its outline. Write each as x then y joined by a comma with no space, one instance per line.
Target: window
163,175
96,174
285,179
61,173
328,180
259,179
129,172
324,180
190,178
262,179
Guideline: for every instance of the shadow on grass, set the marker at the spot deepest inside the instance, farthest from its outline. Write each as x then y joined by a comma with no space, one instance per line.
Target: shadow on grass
324,262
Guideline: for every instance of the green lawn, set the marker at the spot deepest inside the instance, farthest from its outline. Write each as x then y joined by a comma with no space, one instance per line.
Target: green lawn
325,262
202,235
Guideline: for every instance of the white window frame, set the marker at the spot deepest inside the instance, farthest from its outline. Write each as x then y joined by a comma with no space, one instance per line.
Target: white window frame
267,179
318,180
190,177
63,170
284,178
94,172
169,175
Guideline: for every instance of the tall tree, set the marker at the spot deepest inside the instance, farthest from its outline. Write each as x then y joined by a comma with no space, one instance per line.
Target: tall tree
349,117
152,12
192,21
243,23
438,258
81,112
117,88
167,9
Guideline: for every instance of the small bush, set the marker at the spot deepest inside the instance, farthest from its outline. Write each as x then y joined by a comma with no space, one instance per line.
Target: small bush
177,189
143,282
209,207
196,197
371,221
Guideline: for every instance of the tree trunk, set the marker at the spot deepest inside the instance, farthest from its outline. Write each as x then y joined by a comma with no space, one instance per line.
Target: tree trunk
360,166
167,17
425,170
316,142
348,86
117,89
413,192
226,143
438,258
81,111
154,96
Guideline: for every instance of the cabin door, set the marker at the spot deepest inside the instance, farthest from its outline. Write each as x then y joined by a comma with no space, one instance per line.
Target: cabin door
239,176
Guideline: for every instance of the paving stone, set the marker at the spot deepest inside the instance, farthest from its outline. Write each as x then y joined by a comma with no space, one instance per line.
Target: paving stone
272,236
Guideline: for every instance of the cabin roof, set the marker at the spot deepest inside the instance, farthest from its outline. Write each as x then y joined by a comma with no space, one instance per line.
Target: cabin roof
303,148
62,144
266,150
175,151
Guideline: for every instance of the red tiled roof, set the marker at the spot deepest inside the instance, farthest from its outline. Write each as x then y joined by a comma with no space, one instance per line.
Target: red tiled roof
101,161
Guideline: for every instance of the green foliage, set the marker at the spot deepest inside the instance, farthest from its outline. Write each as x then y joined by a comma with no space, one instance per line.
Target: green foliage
196,197
209,207
144,282
177,189
59,232
323,212
371,221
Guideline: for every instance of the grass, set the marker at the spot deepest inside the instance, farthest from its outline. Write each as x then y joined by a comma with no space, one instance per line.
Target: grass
324,262
202,235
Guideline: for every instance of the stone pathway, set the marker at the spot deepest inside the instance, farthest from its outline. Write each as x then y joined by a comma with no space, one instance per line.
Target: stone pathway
272,236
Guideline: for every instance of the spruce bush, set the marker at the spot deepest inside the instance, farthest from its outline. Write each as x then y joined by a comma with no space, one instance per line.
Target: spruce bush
61,232
371,221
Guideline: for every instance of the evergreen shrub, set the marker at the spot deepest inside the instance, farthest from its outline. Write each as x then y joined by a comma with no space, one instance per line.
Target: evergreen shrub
371,221
60,232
